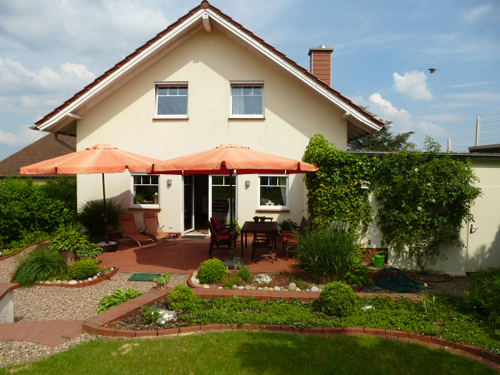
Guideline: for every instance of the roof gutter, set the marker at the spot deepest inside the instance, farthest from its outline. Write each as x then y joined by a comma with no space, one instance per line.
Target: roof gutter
56,137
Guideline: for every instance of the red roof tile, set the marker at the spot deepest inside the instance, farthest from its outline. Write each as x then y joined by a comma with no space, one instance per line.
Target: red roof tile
43,149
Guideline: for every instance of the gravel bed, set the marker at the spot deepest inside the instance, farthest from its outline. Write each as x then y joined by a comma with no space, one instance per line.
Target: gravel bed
42,303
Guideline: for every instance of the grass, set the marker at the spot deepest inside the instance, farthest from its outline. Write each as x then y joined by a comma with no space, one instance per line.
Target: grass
249,352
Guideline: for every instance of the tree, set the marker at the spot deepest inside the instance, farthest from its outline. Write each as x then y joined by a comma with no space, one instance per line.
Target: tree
424,198
384,140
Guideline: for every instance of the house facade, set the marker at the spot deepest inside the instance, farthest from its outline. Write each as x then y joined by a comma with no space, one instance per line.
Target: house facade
205,81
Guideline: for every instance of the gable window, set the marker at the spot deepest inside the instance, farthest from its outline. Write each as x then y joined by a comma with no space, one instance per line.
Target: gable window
171,100
273,192
145,190
247,100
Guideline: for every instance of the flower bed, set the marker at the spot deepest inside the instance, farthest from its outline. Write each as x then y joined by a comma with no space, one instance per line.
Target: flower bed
99,278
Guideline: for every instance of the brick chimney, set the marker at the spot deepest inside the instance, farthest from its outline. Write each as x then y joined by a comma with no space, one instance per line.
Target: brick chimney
321,63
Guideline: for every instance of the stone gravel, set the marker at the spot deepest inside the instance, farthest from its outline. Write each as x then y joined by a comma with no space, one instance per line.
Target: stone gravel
41,303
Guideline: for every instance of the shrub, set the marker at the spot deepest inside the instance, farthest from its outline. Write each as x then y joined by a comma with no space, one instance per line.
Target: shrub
182,298
41,264
151,314
359,273
69,238
327,254
484,295
163,279
235,280
245,274
91,216
90,250
117,298
211,271
83,269
289,225
338,299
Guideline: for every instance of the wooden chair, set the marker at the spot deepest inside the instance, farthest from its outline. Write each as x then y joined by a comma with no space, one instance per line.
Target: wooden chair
219,241
153,229
263,241
130,231
290,240
223,229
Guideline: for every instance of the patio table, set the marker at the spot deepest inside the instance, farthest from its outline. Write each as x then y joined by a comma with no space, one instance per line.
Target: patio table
267,227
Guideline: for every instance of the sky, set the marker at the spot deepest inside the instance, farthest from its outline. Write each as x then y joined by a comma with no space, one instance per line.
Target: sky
383,50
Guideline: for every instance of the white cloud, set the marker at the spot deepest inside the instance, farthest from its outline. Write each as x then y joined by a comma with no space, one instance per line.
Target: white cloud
22,138
475,14
402,120
480,96
471,84
412,85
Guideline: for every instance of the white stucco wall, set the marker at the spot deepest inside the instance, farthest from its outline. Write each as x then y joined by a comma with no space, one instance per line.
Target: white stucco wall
208,62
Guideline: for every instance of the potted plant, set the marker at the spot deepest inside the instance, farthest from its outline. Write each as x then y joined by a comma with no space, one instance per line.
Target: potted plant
162,281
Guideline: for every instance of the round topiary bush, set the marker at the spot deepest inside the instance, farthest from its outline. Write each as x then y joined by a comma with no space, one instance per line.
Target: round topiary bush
181,297
338,299
212,271
83,269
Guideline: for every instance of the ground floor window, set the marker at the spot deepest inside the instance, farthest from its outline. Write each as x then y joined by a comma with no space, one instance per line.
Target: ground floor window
145,189
273,191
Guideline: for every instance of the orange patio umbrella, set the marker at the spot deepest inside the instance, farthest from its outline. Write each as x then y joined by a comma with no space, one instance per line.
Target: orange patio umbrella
101,158
229,159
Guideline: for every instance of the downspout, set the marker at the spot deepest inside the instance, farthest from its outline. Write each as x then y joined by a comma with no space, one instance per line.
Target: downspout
56,137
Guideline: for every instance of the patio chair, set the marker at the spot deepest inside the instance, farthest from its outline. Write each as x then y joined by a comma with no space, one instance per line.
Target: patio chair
130,232
223,229
263,241
341,226
153,229
290,239
219,241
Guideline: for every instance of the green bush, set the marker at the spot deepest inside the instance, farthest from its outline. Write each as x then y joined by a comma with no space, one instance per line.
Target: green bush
117,297
235,280
359,273
83,269
69,238
212,271
288,224
327,254
151,314
338,299
182,297
41,264
484,295
245,274
90,250
91,216
163,279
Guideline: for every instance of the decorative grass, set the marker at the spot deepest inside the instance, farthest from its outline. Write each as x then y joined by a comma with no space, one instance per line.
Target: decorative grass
249,352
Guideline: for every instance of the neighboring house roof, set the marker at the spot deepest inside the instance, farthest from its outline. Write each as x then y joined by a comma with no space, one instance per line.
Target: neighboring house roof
490,149
63,118
43,149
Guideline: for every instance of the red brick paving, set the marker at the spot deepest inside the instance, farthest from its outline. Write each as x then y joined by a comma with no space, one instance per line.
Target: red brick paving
50,333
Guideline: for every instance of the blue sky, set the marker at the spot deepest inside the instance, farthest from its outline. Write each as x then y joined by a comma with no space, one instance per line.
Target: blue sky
49,50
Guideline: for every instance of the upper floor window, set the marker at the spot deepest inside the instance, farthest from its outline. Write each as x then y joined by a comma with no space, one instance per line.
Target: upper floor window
247,100
273,192
172,100
145,189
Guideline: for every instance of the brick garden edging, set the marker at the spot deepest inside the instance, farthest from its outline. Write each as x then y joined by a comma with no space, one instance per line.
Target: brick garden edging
97,324
21,249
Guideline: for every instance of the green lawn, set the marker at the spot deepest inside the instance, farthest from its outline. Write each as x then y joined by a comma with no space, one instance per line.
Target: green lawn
249,352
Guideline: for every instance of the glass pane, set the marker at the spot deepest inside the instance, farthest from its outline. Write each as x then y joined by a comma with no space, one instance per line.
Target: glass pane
183,91
172,105
247,90
146,194
217,180
253,105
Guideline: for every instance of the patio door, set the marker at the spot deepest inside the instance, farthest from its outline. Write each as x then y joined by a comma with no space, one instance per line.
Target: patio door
188,204
219,197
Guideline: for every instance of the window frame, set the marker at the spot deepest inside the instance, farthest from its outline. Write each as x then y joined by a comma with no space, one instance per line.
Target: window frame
246,116
133,204
287,191
159,85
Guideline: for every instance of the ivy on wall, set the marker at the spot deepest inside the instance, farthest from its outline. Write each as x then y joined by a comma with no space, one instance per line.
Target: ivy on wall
334,192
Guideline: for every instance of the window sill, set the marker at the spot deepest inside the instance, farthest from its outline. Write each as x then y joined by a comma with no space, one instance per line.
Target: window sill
152,207
247,118
270,209
170,118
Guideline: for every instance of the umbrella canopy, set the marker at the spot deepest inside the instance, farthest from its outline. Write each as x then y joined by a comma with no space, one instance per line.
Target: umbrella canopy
227,159
101,158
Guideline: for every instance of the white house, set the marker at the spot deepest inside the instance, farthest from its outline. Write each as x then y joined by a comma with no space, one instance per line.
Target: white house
204,81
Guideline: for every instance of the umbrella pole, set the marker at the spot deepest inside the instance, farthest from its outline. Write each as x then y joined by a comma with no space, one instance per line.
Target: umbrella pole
105,210
231,250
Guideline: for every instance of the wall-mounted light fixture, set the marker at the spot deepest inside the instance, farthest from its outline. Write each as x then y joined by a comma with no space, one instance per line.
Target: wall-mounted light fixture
247,183
169,182
365,185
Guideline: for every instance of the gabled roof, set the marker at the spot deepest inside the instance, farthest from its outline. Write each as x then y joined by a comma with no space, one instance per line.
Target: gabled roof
62,119
43,149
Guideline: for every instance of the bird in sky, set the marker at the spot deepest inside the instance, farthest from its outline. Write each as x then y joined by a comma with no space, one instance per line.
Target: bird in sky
432,70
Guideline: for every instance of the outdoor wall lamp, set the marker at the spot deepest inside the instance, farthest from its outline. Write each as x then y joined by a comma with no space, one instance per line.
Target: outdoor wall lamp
169,182
365,185
247,183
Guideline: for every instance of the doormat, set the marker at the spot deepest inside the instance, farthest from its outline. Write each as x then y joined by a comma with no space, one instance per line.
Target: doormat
143,276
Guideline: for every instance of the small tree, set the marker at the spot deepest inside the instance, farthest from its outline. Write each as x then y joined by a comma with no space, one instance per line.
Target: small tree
424,198
384,140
